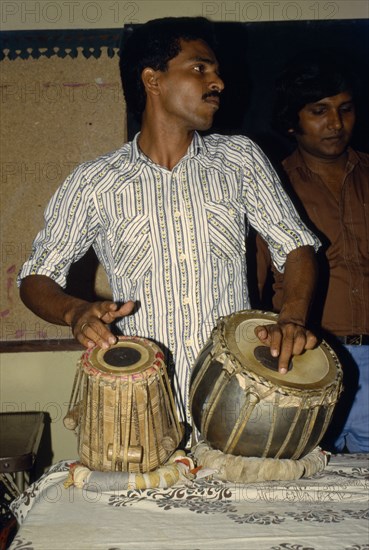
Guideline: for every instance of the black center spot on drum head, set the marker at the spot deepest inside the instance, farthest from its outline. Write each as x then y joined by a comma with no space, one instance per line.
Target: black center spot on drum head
263,355
122,356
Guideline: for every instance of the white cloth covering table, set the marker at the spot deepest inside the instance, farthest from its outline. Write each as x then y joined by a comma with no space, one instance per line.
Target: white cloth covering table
326,512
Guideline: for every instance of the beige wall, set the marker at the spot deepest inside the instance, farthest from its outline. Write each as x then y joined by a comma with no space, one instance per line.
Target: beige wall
76,14
43,381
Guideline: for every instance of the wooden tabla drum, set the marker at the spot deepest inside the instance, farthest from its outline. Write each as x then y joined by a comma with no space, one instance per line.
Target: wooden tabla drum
241,405
123,407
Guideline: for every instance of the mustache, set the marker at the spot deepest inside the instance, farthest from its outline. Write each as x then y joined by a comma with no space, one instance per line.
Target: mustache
213,93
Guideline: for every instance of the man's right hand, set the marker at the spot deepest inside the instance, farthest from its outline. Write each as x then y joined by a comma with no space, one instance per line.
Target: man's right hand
89,322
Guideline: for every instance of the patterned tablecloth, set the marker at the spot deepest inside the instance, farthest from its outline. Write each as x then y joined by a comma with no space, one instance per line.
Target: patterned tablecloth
326,512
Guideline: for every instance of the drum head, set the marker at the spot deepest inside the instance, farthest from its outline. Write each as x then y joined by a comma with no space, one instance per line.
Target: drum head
313,369
127,356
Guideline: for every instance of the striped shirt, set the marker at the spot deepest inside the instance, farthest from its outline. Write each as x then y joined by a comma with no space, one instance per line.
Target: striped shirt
174,241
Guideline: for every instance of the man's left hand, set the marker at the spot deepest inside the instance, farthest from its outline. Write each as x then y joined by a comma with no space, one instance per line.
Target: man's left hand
285,341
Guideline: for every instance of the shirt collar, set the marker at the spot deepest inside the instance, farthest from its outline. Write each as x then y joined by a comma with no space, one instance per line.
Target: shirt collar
136,154
196,147
353,159
295,160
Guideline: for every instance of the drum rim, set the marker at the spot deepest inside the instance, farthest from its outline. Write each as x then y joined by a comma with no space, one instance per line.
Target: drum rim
94,358
332,376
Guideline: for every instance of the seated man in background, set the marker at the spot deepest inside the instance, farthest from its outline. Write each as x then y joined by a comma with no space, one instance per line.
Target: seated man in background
315,105
165,214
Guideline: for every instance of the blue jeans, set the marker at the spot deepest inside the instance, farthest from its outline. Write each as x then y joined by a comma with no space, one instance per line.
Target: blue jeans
349,429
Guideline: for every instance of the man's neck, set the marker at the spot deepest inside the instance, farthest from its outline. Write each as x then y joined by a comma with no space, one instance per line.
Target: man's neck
330,170
164,146
325,165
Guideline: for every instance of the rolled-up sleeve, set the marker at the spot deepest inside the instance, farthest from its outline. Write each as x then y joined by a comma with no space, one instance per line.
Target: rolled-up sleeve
68,231
271,211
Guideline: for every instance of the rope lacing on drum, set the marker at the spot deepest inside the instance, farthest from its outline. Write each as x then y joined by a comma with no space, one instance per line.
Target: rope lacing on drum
215,395
242,420
100,412
71,419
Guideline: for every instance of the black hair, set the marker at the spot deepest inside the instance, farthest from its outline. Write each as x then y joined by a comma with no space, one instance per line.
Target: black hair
153,45
310,77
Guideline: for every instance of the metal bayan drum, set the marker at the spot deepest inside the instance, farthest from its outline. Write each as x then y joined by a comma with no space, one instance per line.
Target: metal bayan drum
123,407
241,405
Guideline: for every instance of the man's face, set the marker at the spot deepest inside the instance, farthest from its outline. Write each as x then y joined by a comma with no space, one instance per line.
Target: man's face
326,126
191,86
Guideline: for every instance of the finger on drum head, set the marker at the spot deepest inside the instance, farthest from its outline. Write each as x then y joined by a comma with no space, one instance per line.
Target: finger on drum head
299,345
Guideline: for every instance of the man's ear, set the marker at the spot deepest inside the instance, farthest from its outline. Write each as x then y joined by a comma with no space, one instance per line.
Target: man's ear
150,80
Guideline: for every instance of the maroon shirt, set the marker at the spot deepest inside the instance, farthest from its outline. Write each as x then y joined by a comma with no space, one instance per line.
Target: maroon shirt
341,304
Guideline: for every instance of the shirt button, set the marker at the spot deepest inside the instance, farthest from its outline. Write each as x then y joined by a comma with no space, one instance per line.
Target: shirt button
189,342
186,300
182,257
177,214
354,291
